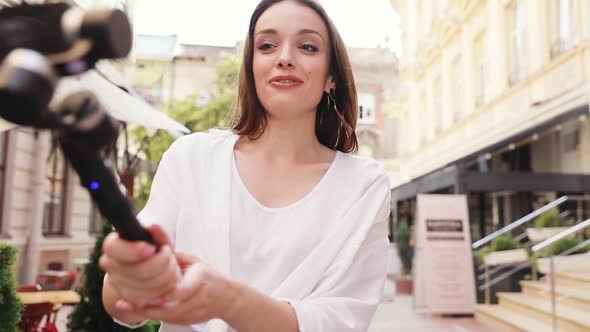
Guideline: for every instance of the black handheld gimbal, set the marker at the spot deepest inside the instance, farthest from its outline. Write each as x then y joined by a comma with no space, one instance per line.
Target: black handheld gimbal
38,45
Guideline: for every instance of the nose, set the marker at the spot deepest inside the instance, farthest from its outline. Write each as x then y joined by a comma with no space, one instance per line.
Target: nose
285,59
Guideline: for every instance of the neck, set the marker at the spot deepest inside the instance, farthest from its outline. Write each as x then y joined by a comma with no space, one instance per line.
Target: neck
290,140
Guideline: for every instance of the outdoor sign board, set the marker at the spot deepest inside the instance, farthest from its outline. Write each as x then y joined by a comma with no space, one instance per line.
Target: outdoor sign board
444,281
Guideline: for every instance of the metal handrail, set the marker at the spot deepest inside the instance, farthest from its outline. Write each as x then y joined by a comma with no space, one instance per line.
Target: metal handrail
569,251
526,264
552,271
561,235
575,248
504,275
519,222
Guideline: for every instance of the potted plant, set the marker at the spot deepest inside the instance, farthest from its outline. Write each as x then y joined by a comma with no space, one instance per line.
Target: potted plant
543,260
405,251
503,250
10,304
506,251
547,225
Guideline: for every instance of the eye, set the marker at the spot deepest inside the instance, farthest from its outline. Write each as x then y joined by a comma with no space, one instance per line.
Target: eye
265,46
309,48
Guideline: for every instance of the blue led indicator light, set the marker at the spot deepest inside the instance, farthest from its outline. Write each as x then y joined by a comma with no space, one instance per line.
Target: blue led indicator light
94,185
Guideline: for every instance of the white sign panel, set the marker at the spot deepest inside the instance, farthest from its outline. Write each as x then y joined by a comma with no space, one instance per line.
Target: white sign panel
444,282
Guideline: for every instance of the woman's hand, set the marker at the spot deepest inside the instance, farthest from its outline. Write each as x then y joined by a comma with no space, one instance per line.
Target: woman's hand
140,274
201,295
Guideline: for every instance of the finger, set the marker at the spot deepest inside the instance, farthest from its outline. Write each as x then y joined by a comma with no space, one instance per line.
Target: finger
193,309
187,313
156,266
167,276
125,306
127,251
131,295
159,234
185,259
153,274
189,285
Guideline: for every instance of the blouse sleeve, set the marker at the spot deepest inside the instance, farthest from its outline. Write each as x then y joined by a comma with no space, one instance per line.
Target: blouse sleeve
162,205
348,295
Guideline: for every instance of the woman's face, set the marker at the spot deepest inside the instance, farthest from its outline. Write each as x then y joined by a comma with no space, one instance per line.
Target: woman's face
291,60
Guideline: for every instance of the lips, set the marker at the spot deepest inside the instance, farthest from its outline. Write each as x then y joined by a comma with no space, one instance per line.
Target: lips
285,81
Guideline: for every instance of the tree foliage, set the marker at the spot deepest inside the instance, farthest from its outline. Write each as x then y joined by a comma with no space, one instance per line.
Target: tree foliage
10,304
194,115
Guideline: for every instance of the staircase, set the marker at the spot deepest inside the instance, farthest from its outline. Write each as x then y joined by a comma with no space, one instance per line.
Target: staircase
531,309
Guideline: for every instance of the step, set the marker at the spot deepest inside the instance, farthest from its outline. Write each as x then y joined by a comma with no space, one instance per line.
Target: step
576,279
503,319
568,318
566,294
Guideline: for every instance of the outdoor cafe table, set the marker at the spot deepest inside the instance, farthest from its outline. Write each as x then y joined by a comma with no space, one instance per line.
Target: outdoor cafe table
63,297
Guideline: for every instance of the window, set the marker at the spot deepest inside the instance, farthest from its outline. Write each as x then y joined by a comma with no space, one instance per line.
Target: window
565,36
55,195
3,148
366,112
96,220
571,141
516,24
457,89
480,60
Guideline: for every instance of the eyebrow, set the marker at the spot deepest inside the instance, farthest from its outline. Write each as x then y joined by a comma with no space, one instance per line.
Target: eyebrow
300,32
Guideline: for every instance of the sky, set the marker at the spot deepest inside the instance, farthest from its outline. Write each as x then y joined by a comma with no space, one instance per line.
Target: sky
361,23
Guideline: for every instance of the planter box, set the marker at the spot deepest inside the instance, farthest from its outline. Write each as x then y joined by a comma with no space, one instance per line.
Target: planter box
538,235
404,286
509,284
506,257
563,263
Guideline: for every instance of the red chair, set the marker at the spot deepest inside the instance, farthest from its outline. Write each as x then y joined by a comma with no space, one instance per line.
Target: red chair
28,288
33,314
55,266
52,315
66,282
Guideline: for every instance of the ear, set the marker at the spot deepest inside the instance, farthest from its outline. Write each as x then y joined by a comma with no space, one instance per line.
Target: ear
330,84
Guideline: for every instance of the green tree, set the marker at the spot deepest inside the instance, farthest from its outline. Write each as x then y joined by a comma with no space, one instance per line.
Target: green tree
10,304
196,117
90,315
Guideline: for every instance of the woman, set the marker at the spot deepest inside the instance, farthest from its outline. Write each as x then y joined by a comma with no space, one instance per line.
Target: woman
275,225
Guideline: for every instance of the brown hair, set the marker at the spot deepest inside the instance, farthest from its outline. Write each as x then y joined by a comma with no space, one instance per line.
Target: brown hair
336,128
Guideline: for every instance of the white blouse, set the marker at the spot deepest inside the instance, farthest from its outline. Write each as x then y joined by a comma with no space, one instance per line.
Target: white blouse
325,254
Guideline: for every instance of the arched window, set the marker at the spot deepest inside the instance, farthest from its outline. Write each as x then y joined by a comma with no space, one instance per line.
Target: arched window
55,194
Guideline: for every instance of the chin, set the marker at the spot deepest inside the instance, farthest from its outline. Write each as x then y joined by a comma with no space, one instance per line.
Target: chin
282,112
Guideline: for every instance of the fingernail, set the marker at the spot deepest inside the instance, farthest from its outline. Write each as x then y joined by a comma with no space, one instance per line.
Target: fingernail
171,304
149,250
156,301
124,305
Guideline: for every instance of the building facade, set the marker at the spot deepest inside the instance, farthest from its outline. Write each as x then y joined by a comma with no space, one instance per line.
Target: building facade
166,70
494,100
375,72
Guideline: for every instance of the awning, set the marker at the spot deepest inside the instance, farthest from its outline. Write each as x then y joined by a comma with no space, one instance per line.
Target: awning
120,104
5,125
462,181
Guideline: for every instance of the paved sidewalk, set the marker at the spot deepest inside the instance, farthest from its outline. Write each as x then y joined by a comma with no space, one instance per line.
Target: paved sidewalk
395,314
